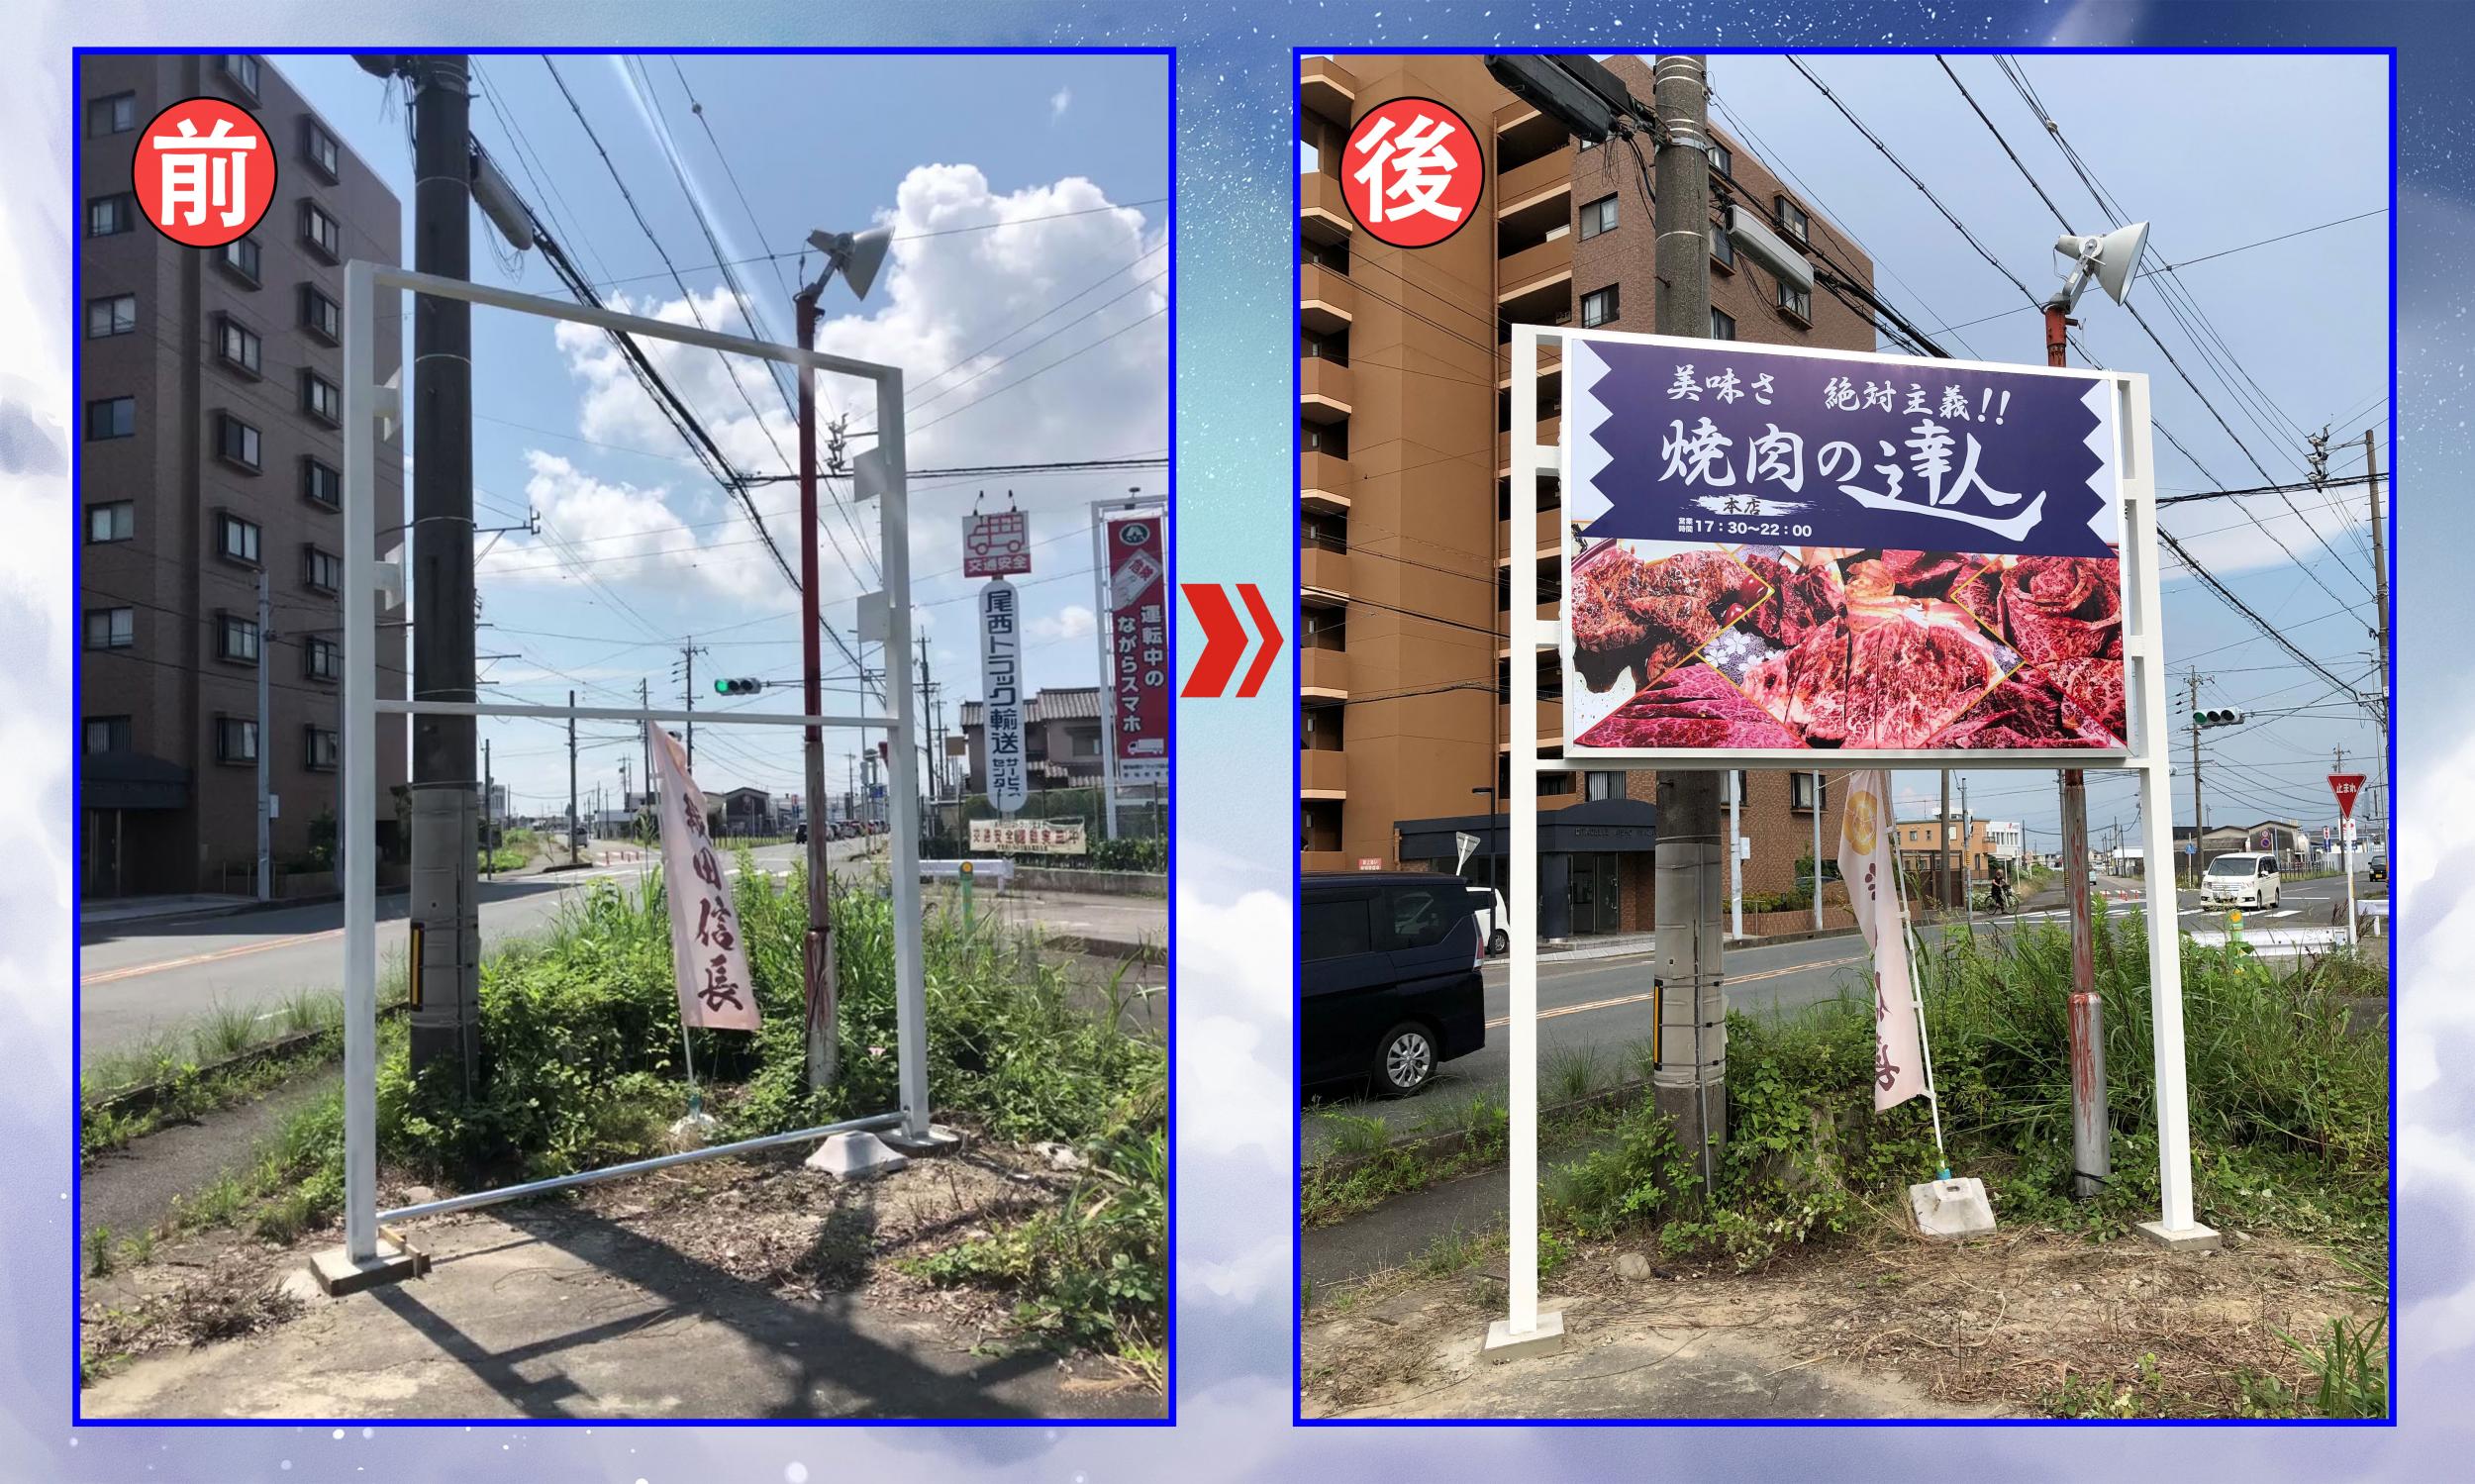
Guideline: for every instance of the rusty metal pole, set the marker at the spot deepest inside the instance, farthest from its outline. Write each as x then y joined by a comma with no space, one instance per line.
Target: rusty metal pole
2092,1156
817,959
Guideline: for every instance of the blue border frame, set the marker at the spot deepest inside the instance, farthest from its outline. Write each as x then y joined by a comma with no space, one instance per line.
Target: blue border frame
1297,1415
77,512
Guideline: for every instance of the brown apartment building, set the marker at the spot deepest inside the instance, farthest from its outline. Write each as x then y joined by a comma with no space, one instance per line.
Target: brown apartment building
1409,553
209,448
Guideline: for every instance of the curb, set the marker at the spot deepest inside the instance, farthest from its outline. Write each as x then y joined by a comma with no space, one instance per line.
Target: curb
1151,953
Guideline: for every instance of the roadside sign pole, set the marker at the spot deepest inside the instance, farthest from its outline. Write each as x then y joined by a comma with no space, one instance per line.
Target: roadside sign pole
1105,629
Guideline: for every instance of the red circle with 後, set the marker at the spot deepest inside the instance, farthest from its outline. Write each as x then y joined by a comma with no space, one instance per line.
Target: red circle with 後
1412,172
204,172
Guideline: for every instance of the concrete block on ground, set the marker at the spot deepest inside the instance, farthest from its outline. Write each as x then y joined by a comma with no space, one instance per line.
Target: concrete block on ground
338,1274
1546,1339
1951,1208
855,1156
2191,1239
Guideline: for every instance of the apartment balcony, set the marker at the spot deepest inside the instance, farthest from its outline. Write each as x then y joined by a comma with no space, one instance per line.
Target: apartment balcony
1531,271
1312,861
1540,534
1324,482
1323,215
1323,773
1329,88
1551,364
1323,571
1550,722
1525,186
1327,301
1550,434
1324,389
1323,675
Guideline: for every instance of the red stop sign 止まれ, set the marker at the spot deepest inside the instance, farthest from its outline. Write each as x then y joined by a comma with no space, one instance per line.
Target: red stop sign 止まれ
2345,786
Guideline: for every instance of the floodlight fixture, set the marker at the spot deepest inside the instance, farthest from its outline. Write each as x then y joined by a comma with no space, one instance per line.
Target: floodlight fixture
858,255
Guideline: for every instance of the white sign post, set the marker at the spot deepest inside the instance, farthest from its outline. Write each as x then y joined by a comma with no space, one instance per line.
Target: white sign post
1001,698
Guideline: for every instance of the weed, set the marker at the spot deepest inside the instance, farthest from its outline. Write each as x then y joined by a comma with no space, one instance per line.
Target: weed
1354,1135
1572,1072
99,1251
2348,1376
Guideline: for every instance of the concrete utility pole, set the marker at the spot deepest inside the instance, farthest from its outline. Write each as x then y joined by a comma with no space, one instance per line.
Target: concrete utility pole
1690,1083
571,778
688,653
2380,593
265,793
821,981
2200,821
446,1002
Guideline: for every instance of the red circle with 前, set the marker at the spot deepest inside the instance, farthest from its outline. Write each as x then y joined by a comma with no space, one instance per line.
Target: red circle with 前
204,172
1412,172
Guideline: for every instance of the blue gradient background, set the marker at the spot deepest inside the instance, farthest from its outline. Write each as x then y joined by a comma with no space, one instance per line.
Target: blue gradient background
1235,159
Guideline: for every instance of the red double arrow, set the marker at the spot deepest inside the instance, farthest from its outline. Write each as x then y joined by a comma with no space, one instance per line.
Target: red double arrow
1225,640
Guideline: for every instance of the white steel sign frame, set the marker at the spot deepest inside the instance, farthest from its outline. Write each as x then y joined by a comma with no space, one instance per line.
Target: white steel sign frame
364,576
2144,652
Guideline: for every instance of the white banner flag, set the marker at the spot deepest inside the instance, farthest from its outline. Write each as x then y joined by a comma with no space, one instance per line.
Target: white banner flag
705,953
1866,864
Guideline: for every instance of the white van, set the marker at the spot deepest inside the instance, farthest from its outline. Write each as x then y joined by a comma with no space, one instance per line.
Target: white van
2243,880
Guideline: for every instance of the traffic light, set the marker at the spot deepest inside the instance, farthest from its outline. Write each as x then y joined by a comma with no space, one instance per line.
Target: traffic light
739,687
2207,718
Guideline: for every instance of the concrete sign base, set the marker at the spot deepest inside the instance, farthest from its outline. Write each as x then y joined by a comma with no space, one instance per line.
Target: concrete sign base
1546,1339
1951,1208
938,1140
854,1156
338,1274
2189,1240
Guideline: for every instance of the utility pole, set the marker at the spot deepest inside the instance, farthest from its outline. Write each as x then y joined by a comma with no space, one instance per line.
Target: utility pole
2200,821
571,778
2092,1154
447,999
2380,593
689,651
1691,1087
265,734
821,981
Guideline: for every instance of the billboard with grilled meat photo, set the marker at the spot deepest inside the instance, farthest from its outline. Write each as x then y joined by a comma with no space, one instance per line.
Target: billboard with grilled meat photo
1773,551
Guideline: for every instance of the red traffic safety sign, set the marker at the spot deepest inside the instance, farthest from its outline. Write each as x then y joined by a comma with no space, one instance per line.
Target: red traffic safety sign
1225,640
2345,786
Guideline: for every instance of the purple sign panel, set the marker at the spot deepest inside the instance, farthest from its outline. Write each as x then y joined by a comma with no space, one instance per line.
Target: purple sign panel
1772,551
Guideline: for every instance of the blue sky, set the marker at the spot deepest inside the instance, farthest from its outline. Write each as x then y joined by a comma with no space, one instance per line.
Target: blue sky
640,549
2212,149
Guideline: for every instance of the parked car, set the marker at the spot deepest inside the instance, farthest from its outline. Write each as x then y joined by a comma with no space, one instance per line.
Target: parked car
799,835
2245,879
1388,981
1487,905
2378,868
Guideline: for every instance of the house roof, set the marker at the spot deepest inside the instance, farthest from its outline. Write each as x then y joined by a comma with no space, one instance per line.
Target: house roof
1077,703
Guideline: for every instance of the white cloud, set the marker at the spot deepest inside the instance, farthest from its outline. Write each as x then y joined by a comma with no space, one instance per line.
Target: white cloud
1058,102
1074,621
621,533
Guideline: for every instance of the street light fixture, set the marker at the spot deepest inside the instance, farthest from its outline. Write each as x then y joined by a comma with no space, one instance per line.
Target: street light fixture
858,254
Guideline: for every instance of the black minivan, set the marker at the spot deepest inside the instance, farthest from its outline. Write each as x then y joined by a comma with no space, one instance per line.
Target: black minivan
1388,982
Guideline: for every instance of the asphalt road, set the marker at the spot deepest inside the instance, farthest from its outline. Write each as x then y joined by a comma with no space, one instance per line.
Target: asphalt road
139,978
1599,1010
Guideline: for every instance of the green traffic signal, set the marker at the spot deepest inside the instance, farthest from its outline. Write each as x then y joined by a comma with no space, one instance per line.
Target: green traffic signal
743,688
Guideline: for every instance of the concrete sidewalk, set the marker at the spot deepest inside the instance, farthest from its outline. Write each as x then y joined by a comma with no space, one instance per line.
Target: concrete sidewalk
141,909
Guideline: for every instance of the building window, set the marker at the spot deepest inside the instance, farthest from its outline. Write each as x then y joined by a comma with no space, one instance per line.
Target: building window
1603,785
1559,782
242,68
115,522
240,256
320,316
111,628
1598,306
236,638
319,233
116,114
321,484
318,752
111,417
117,315
1797,301
236,740
1721,159
107,733
321,659
1792,219
1722,248
321,571
110,215
1806,791
236,343
1722,325
321,399
236,442
236,540
1597,217
320,146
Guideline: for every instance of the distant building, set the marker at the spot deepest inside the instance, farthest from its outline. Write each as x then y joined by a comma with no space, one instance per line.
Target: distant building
742,811
1924,842
209,449
1060,740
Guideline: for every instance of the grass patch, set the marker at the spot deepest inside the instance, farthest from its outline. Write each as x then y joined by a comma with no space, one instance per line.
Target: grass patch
227,1056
